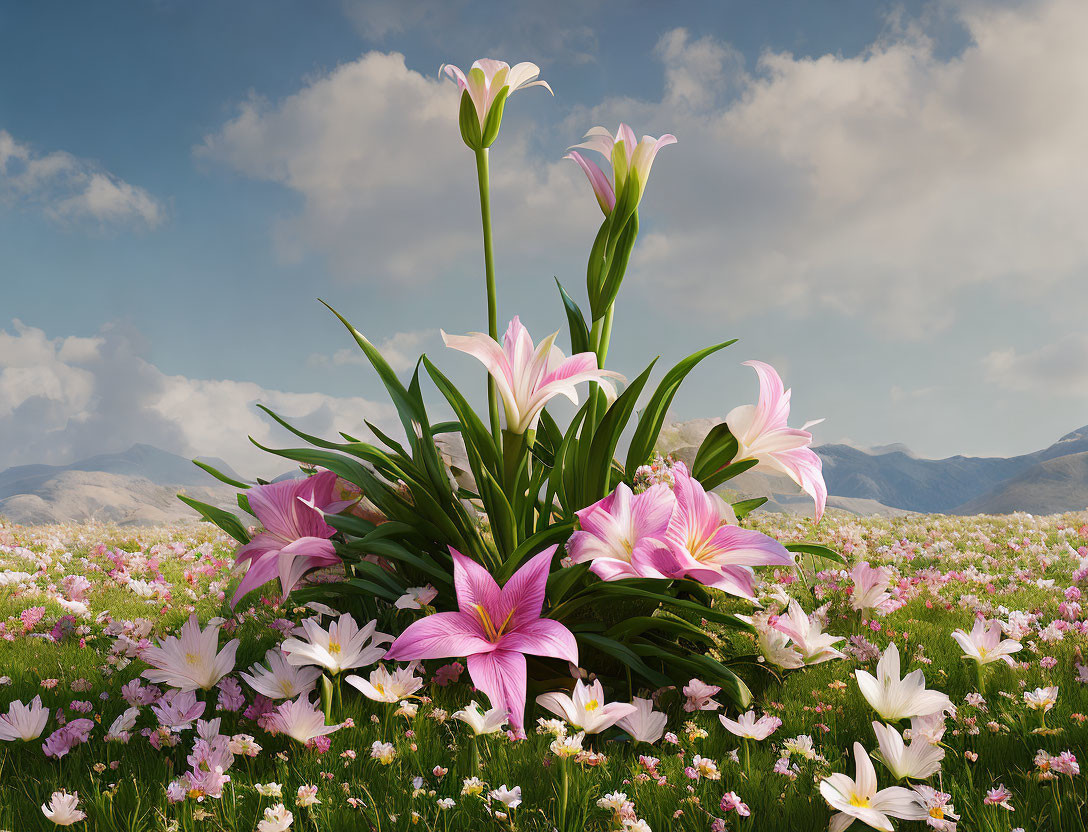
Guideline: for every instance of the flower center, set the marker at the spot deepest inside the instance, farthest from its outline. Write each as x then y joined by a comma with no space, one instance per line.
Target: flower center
493,634
936,812
334,648
859,801
592,705
192,658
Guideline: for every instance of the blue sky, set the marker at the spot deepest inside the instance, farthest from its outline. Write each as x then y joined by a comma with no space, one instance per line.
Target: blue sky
881,199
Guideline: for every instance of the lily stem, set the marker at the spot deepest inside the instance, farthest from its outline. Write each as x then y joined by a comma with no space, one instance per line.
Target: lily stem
489,273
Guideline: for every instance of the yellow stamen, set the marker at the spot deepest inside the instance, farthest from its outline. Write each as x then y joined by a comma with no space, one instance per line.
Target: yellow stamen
493,634
592,705
858,800
192,658
937,812
334,647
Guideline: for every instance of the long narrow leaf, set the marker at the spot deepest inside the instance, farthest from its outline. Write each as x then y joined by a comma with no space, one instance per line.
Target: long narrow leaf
653,415
223,519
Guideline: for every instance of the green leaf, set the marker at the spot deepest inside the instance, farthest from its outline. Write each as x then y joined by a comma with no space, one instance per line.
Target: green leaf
818,551
579,332
653,416
704,667
223,519
532,545
625,654
561,581
607,436
617,268
219,475
745,507
597,261
469,121
716,451
350,524
712,481
494,118
410,414
678,627
394,551
617,588
472,428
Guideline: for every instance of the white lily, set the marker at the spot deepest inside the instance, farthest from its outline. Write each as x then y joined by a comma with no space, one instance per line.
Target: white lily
895,698
858,799
984,643
480,721
24,722
808,636
343,646
586,708
281,679
917,761
388,687
644,724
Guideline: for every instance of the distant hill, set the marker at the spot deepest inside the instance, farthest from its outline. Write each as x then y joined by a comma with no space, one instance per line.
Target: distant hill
139,486
1057,484
136,487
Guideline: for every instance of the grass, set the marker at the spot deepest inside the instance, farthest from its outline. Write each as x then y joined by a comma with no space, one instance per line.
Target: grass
948,567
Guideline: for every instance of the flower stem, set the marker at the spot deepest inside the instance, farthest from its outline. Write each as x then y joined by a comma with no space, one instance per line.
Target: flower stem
981,672
489,273
565,767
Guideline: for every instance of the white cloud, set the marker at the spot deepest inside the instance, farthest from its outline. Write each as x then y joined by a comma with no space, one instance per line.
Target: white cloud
63,399
885,186
388,188
1057,369
879,185
66,188
401,351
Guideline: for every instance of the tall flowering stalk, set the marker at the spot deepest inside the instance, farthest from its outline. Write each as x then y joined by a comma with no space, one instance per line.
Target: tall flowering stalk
484,90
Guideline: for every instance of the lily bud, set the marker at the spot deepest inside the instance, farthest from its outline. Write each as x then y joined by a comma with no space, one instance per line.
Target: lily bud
484,91
631,161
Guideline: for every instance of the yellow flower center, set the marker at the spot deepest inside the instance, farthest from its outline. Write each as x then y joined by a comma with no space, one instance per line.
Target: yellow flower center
859,801
334,648
937,812
380,688
493,633
592,705
192,658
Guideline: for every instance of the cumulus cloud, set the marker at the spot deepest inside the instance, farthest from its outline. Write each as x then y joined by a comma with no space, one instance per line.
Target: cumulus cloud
880,185
64,399
1057,369
401,351
388,188
68,189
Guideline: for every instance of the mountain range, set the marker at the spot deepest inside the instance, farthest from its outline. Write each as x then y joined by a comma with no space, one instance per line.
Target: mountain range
139,486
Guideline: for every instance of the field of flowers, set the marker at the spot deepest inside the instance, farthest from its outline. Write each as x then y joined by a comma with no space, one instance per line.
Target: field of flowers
103,732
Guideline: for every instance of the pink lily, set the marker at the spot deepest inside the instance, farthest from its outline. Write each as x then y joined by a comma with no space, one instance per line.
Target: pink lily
487,77
494,629
870,589
623,534
295,537
707,545
628,157
762,434
527,376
